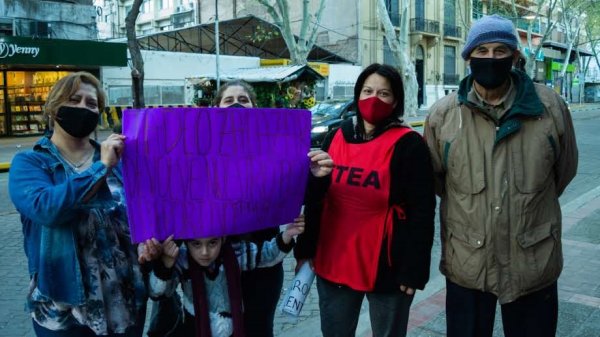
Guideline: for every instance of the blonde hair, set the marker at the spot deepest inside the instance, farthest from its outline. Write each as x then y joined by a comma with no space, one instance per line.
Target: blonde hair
62,91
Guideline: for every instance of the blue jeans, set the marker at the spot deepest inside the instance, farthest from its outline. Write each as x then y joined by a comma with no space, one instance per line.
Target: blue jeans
83,331
340,309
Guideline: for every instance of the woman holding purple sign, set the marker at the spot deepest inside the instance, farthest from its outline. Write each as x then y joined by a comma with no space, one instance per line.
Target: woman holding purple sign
85,279
261,287
369,225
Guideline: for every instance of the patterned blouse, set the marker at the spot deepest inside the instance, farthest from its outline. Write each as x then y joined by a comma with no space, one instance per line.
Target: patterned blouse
114,285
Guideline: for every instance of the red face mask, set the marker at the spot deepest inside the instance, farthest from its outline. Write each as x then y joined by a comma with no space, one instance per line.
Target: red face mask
374,110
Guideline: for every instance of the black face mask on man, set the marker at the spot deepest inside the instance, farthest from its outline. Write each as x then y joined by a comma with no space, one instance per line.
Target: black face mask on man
78,122
490,73
236,105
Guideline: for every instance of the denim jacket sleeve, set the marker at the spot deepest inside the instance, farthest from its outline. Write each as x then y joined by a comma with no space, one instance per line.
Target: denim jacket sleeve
43,192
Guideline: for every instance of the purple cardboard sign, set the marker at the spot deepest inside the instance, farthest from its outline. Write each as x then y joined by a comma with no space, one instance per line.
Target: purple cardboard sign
202,172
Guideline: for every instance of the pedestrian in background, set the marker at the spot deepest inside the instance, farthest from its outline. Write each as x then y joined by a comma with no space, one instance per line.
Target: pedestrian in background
85,279
503,152
369,225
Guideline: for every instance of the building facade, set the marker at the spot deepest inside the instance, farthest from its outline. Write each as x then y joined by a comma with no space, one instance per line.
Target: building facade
40,42
337,33
436,34
352,29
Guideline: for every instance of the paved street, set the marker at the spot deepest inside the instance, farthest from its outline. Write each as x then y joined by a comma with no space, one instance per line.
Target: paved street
579,285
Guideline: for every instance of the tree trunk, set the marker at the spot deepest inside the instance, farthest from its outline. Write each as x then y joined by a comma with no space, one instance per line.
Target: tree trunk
137,67
400,47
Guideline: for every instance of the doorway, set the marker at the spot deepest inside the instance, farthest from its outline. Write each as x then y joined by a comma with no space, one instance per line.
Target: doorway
420,71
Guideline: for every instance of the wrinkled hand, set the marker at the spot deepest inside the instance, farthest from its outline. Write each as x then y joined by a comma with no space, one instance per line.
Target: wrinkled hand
321,163
407,290
111,150
293,229
301,262
170,252
149,250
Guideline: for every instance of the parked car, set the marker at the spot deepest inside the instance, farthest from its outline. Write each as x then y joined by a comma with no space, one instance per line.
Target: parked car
327,116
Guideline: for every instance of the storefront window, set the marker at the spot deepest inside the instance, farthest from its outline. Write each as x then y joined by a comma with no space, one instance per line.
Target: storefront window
172,95
153,95
27,92
120,95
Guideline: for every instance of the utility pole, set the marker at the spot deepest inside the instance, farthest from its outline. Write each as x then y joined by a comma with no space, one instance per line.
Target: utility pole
217,44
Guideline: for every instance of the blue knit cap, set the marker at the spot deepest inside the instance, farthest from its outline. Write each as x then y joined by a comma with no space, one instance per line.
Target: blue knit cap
492,28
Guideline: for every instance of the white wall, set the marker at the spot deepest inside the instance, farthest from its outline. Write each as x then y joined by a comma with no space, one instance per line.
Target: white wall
342,75
170,69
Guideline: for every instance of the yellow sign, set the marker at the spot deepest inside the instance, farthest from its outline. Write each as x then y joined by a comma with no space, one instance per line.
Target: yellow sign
321,68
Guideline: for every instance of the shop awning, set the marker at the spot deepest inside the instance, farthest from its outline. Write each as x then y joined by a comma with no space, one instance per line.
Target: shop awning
247,36
564,47
16,50
266,74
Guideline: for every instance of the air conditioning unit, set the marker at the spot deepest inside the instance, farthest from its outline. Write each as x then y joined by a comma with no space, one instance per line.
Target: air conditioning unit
39,29
179,9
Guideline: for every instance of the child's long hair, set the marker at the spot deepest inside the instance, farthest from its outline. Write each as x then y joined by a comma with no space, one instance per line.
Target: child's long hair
234,288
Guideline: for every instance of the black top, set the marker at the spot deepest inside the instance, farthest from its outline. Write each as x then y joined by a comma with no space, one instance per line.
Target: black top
411,187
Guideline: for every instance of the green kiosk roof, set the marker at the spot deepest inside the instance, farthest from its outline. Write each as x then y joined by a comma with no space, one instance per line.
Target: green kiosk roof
27,50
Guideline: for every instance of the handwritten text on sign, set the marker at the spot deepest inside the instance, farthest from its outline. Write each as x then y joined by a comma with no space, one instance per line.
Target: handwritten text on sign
200,172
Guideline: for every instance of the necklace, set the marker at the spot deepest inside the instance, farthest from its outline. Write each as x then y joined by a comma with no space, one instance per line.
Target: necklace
80,164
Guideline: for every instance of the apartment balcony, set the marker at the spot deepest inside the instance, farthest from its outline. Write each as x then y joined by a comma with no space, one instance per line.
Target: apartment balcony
451,79
523,25
182,19
421,25
452,31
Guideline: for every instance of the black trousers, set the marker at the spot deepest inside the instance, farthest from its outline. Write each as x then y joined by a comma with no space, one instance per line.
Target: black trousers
340,310
471,313
261,288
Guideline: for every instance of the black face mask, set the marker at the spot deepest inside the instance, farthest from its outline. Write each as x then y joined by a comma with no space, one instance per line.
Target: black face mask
236,105
491,73
78,122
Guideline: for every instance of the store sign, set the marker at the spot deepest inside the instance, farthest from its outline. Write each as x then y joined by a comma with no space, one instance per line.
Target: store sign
10,49
24,50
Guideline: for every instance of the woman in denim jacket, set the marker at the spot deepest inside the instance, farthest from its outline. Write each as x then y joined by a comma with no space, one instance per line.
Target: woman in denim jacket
85,279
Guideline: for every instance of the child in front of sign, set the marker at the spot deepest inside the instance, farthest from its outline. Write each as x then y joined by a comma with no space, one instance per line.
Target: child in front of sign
208,270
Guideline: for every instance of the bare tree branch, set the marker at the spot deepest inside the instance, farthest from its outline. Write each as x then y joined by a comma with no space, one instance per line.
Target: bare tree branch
298,49
399,46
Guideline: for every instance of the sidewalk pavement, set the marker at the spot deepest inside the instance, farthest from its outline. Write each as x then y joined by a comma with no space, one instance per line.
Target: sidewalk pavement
579,285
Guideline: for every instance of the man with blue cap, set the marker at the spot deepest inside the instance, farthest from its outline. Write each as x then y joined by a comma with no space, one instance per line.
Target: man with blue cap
503,150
